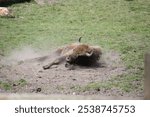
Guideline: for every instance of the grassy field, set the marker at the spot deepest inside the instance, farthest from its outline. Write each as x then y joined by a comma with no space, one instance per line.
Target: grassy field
120,25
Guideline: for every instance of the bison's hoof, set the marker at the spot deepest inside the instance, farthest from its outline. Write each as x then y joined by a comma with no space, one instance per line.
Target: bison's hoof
46,67
69,66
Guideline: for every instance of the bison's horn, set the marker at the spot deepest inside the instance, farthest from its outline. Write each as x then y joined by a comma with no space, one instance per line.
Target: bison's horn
79,39
89,54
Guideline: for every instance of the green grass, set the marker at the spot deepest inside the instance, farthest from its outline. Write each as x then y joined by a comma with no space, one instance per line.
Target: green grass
21,82
8,85
121,25
125,83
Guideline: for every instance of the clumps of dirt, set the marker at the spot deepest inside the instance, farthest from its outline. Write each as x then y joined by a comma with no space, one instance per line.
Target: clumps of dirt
58,79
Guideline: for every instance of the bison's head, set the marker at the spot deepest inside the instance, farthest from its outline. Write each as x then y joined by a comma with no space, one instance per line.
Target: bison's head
84,55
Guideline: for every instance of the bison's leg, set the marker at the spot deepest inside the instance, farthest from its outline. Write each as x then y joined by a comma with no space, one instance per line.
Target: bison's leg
57,61
70,66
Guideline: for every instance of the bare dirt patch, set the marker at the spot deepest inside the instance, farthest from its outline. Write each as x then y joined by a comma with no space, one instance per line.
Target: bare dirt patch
58,79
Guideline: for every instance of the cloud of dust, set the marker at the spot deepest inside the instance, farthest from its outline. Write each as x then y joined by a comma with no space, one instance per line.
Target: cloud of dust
20,55
23,54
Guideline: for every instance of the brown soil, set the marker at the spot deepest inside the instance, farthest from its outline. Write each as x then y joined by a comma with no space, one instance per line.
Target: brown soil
58,79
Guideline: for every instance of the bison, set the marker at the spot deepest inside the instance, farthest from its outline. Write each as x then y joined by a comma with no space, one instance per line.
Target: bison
76,54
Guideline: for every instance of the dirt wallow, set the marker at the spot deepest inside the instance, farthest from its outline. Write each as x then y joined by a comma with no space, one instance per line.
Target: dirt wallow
30,77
